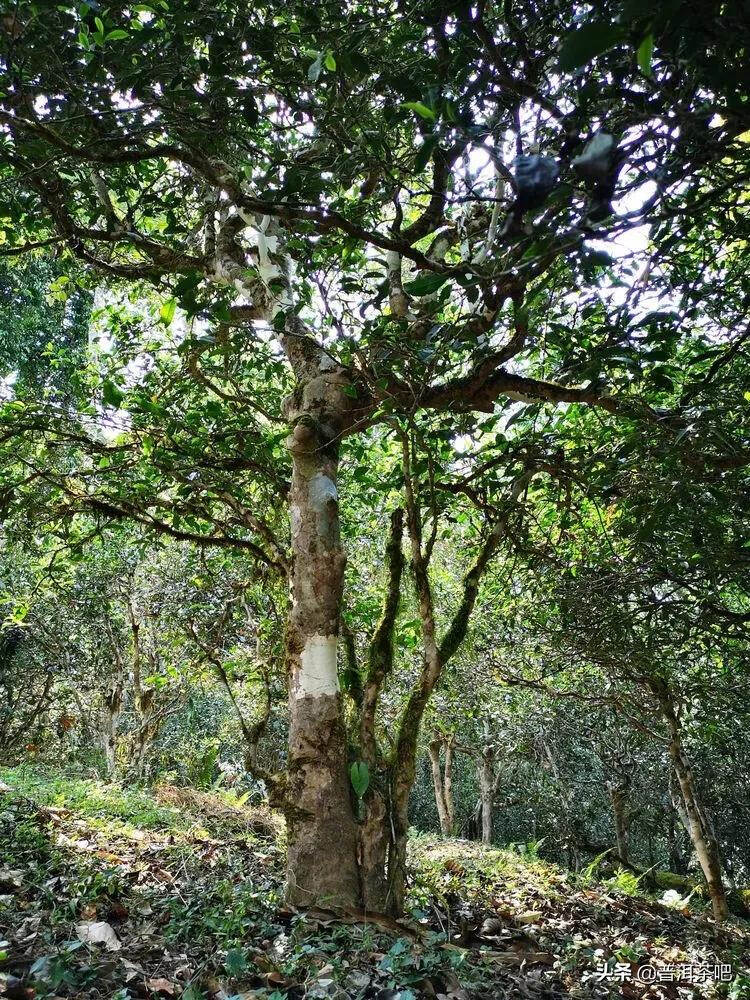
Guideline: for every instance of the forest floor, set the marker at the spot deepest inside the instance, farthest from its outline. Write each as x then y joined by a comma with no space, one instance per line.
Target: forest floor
119,893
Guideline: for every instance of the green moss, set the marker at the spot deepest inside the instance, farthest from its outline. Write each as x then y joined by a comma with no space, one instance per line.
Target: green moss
680,883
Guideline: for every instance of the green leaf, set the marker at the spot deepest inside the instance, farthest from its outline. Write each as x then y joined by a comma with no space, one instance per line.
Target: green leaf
587,42
360,775
330,62
100,24
116,35
450,111
425,152
644,53
166,313
425,284
421,109
111,395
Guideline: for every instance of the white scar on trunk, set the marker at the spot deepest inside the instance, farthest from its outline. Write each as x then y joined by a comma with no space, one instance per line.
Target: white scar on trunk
318,674
321,491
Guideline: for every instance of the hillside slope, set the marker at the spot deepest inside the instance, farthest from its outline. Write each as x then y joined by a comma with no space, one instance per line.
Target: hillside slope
112,893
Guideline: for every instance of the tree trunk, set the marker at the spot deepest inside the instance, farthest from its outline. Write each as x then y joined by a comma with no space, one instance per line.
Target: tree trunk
677,829
697,823
443,782
448,785
376,851
618,797
704,843
675,861
110,718
433,749
322,831
146,732
485,774
111,708
143,702
331,858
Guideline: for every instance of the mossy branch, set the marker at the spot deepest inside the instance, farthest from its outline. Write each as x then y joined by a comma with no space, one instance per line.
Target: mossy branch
380,656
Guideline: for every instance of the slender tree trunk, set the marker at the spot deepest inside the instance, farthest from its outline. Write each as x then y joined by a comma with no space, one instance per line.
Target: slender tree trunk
674,859
110,718
697,822
485,774
112,705
322,831
677,829
435,656
143,701
145,734
442,780
618,797
378,857
701,835
433,749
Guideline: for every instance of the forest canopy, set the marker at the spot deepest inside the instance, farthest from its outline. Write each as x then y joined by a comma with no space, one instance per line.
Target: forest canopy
374,422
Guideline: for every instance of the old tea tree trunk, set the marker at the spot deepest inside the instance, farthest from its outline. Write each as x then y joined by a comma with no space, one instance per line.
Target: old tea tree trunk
694,812
334,858
322,846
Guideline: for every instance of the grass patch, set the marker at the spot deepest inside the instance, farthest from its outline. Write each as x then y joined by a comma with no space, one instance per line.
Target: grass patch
94,799
443,868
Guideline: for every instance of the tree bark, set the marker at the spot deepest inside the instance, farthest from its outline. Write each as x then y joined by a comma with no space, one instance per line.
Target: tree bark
144,704
146,733
377,853
322,832
678,838
442,780
618,797
485,774
701,835
697,822
112,700
110,717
